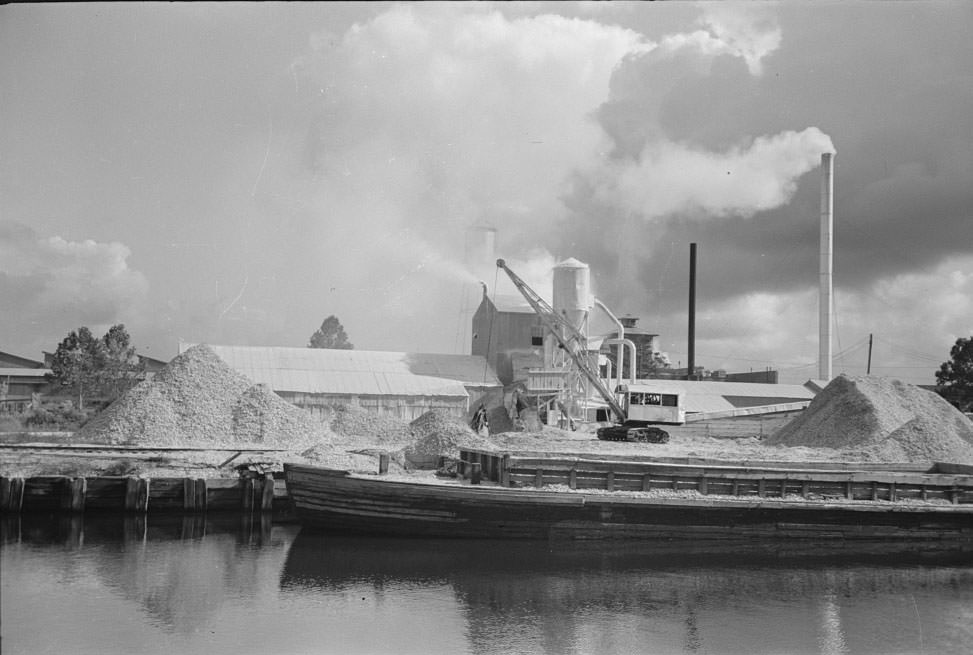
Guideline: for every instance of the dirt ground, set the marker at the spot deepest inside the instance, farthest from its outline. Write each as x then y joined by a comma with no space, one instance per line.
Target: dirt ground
360,453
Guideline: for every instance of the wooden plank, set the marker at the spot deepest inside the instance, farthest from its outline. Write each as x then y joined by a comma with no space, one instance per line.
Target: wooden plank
823,474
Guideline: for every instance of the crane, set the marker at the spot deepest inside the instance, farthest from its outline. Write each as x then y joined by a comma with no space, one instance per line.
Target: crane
574,343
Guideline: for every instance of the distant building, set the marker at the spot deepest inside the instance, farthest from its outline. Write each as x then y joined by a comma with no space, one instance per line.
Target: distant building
20,379
645,348
404,385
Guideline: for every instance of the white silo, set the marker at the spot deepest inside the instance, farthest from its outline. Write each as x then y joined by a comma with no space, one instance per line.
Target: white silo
572,291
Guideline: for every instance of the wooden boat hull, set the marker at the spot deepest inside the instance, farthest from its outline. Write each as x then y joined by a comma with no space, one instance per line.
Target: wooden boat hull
334,501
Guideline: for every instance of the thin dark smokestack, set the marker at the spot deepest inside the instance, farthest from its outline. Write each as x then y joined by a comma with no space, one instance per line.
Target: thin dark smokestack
692,311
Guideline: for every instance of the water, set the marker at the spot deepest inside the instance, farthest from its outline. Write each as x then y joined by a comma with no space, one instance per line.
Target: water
188,585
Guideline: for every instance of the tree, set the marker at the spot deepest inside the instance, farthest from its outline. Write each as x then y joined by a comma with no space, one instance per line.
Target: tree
955,377
120,368
330,335
76,363
87,366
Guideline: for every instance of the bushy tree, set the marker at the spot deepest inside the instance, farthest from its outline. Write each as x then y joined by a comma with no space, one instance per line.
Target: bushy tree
120,368
955,377
88,367
330,335
75,365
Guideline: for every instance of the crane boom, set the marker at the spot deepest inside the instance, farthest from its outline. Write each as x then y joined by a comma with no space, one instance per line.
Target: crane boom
574,344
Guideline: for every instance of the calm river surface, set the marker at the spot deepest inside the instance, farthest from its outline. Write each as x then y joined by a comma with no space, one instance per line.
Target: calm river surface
185,585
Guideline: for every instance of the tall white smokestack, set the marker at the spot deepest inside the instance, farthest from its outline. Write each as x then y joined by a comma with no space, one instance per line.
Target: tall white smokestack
826,265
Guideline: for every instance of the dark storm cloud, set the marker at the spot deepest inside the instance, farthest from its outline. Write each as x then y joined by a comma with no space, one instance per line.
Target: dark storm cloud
903,192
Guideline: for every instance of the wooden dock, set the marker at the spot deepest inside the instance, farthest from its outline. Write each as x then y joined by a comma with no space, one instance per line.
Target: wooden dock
873,482
248,495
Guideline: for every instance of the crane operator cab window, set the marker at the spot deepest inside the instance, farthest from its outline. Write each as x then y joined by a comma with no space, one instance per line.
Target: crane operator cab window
653,406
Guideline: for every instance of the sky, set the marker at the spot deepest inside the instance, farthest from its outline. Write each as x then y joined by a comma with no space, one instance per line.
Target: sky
235,173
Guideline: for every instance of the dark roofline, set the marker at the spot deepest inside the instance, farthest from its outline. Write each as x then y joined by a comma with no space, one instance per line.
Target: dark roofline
22,362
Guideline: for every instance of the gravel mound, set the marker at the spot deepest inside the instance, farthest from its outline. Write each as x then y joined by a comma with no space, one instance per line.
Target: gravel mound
439,433
352,421
198,400
881,419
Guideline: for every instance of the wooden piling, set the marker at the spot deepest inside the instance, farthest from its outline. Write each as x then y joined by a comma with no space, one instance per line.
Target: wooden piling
475,473
539,478
11,495
383,463
73,494
573,478
610,481
137,495
505,471
267,493
247,493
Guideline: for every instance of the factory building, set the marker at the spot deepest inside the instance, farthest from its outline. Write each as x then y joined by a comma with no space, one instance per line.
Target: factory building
403,385
509,335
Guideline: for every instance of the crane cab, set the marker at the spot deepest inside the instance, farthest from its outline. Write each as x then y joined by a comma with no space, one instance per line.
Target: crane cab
651,404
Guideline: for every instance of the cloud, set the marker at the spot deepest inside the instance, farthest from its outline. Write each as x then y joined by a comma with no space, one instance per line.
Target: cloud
671,177
57,285
746,31
418,124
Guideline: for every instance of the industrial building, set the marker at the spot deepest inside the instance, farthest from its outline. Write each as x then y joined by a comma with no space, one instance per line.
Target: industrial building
511,334
20,379
404,385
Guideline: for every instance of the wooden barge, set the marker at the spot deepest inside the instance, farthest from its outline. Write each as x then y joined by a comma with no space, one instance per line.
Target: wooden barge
526,495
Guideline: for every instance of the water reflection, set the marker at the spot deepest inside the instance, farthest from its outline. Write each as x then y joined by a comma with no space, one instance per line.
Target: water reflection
683,597
226,585
179,570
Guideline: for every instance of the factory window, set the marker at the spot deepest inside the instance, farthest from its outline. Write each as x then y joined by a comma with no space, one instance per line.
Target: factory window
536,335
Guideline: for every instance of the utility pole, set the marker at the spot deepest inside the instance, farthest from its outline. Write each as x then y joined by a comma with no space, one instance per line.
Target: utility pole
868,371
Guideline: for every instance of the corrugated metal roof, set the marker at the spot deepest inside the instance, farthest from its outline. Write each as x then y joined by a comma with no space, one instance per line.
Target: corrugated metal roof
706,396
357,372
